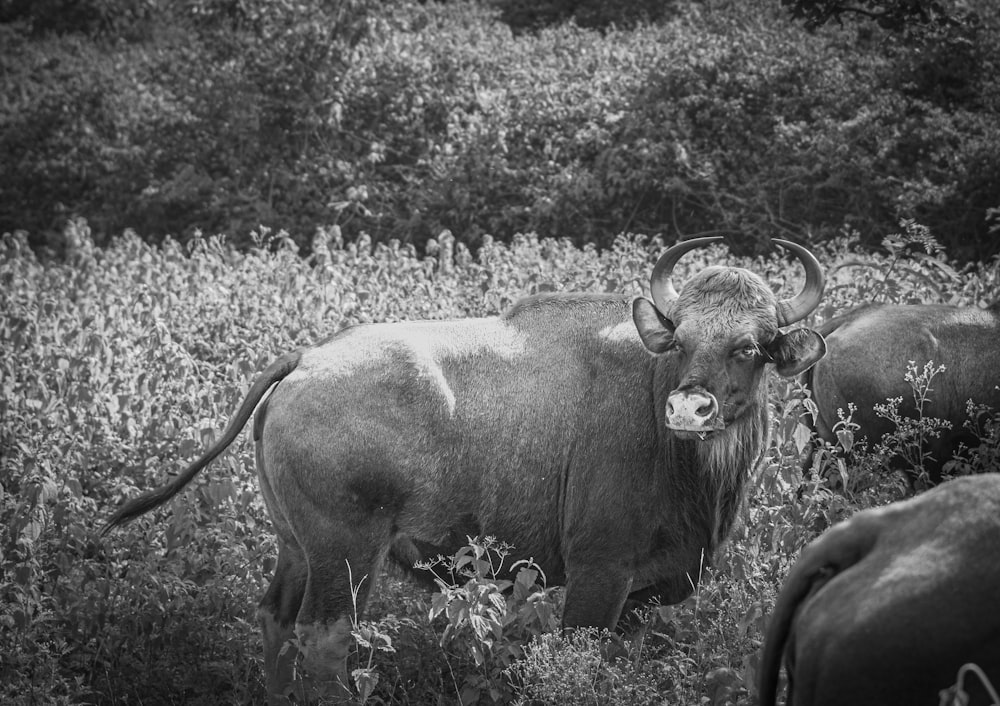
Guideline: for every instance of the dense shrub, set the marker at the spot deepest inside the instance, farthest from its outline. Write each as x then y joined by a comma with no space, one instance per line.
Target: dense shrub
524,15
222,119
400,120
127,19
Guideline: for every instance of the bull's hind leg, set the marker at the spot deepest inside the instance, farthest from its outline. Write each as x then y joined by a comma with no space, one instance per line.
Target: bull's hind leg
338,555
276,615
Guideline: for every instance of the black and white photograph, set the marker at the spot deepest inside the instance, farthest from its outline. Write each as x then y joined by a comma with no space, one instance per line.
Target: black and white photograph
500,352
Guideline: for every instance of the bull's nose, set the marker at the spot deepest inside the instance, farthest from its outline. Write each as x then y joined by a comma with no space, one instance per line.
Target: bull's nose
691,410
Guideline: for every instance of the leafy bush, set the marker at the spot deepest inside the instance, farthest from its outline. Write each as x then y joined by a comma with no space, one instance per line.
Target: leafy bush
574,669
911,435
401,120
489,618
593,14
212,122
984,456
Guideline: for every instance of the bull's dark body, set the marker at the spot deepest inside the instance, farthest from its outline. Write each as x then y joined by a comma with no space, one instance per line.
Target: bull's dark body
607,439
885,607
868,349
570,461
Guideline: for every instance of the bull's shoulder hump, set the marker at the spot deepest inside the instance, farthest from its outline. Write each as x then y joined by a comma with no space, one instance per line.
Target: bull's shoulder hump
861,326
568,305
585,326
911,315
932,330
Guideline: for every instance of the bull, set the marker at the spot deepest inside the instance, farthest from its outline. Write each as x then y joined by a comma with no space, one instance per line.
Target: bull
868,351
886,607
607,438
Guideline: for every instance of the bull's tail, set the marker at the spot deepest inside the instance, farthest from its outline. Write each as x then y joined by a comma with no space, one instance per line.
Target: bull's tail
157,496
836,551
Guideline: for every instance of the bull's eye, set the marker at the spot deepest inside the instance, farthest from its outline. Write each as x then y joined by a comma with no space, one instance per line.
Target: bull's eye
675,347
745,353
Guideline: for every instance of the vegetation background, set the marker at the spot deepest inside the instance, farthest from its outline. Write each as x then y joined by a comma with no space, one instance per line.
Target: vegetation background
384,161
569,118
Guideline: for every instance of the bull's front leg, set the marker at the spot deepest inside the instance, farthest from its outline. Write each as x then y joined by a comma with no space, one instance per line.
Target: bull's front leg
595,595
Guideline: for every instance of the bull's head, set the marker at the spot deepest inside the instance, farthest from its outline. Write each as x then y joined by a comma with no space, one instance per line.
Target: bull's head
719,333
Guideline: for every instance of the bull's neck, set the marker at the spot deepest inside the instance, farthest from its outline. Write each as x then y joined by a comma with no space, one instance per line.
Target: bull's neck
714,471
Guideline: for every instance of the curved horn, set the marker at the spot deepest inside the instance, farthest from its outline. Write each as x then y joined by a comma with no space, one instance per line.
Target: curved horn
660,287
799,306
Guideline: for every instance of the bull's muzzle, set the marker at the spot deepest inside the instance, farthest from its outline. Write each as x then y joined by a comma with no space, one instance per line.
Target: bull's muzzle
694,410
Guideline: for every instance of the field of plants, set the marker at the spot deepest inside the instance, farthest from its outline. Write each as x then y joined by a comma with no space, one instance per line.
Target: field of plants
121,363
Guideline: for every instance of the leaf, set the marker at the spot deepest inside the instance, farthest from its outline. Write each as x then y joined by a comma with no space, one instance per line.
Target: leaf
74,487
845,437
665,613
481,627
526,578
842,470
439,604
498,602
23,575
801,436
458,611
365,681
750,617
470,694
32,530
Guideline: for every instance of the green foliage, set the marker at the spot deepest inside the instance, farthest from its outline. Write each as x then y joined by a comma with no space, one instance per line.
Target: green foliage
575,669
914,269
129,19
890,14
221,119
523,15
369,637
983,454
489,618
909,439
903,453
402,120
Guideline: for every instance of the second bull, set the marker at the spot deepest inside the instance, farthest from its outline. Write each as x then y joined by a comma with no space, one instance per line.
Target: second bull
869,348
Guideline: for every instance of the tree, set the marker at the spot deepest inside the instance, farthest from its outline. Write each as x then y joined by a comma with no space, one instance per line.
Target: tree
893,15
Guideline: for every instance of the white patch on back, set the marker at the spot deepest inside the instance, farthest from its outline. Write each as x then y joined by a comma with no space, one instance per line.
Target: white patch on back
622,332
426,347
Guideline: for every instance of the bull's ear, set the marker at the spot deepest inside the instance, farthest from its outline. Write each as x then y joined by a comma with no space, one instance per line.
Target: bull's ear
655,329
796,351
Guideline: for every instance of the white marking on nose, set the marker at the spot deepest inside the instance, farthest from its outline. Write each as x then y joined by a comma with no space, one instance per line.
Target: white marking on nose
691,411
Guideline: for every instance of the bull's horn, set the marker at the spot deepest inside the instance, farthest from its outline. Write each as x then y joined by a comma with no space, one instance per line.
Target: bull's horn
799,306
660,287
